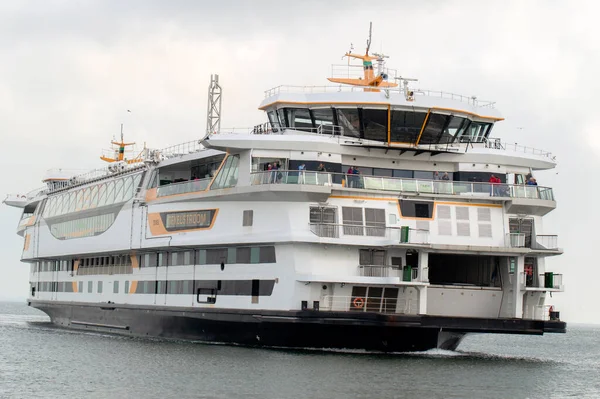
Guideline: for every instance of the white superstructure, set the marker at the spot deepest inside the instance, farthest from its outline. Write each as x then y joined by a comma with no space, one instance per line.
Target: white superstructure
435,235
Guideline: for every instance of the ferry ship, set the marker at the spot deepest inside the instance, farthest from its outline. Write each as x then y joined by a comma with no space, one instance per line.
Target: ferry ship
364,214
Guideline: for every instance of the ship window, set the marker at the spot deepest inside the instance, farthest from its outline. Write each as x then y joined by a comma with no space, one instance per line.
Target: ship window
267,255
353,221
188,258
153,182
201,257
433,129
282,119
248,217
99,287
476,132
102,195
299,119
172,287
375,222
324,123
216,256
87,198
349,121
231,255
416,209
162,259
80,287
454,129
115,287
188,287
128,188
406,126
110,193
174,259
228,174
126,291
375,123
118,191
423,174
243,255
273,121
90,287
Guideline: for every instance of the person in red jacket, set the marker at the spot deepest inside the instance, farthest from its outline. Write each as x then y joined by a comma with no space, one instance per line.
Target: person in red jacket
494,182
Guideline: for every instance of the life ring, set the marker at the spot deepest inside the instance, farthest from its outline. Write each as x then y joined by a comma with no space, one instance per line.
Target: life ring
358,302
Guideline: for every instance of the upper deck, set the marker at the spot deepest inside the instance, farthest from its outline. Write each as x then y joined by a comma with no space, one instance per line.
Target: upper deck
396,97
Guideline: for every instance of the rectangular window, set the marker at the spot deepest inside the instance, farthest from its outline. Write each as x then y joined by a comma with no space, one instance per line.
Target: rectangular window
162,259
267,255
416,209
201,257
248,218
255,290
174,259
375,124
324,123
375,222
99,287
216,256
299,119
353,221
243,255
406,126
231,255
115,287
90,287
126,291
80,287
188,258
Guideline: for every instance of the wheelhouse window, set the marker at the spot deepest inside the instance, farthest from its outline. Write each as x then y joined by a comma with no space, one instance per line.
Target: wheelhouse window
454,129
406,126
299,119
349,121
273,121
375,124
436,123
324,121
476,132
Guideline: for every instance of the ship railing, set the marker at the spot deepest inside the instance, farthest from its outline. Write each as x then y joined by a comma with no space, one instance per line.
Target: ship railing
471,100
515,240
350,71
276,128
183,187
359,304
546,241
373,230
189,147
443,187
379,271
104,270
552,280
498,144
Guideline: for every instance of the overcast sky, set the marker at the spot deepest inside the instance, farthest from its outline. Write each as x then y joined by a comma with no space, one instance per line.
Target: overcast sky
69,70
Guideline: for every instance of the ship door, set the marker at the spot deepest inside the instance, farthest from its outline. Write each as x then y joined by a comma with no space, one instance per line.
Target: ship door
522,226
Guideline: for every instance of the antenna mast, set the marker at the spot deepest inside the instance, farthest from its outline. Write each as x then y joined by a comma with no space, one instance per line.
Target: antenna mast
369,41
213,114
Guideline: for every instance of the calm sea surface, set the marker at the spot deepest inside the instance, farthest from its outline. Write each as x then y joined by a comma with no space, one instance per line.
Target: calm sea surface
38,360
